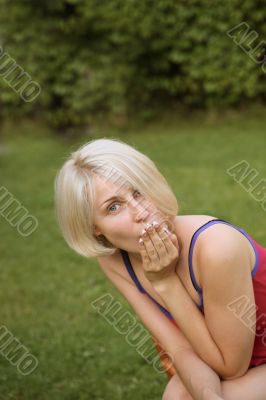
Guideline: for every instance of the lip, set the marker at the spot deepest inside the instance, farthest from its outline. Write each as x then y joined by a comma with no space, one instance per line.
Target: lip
161,222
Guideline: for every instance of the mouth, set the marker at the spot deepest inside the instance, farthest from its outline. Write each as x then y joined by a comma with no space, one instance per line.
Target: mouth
162,223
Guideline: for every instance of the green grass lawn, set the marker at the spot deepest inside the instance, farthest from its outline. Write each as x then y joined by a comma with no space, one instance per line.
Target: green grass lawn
46,289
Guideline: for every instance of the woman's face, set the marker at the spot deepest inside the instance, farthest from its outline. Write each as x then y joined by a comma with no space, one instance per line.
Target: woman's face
121,213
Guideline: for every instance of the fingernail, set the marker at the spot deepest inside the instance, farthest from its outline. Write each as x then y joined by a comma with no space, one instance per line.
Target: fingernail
150,227
141,241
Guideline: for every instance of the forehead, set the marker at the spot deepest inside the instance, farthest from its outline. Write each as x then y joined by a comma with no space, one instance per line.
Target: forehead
105,187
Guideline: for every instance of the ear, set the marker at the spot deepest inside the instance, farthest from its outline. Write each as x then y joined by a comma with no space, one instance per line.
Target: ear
96,231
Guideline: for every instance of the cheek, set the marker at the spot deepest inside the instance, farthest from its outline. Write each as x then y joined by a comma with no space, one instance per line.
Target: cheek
122,227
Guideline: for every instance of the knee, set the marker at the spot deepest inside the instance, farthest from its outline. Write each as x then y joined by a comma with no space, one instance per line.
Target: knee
176,396
175,390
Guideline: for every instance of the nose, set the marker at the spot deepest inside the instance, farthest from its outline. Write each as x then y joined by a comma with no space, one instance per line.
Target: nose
141,215
139,209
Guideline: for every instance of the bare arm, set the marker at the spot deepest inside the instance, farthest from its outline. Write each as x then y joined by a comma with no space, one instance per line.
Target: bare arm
195,374
220,339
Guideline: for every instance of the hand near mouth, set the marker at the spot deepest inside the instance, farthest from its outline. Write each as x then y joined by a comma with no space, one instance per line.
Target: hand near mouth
160,252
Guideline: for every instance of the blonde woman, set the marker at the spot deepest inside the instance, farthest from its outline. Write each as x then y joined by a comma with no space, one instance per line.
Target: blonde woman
190,278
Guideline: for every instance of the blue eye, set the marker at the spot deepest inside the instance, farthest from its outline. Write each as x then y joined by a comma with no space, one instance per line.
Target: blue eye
115,203
109,208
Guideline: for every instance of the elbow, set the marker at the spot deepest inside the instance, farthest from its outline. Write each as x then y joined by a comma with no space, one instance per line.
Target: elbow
233,373
235,367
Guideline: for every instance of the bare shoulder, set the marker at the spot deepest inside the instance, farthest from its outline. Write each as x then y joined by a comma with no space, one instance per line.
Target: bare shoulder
219,239
214,234
222,234
224,241
113,267
108,262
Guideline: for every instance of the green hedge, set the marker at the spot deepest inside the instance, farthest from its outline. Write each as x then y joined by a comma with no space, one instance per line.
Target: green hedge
123,57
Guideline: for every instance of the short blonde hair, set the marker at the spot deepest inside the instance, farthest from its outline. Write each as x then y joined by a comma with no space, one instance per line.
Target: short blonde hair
75,190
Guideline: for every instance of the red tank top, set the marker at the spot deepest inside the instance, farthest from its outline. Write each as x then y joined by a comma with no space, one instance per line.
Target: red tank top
259,286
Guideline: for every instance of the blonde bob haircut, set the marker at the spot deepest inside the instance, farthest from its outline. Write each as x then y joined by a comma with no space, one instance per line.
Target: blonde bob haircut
75,190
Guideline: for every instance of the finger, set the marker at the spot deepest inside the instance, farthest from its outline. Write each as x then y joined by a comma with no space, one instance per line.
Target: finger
143,252
158,242
149,245
173,244
174,240
169,239
165,231
171,233
152,251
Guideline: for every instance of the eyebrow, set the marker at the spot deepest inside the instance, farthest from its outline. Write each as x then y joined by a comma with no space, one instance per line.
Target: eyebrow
111,198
